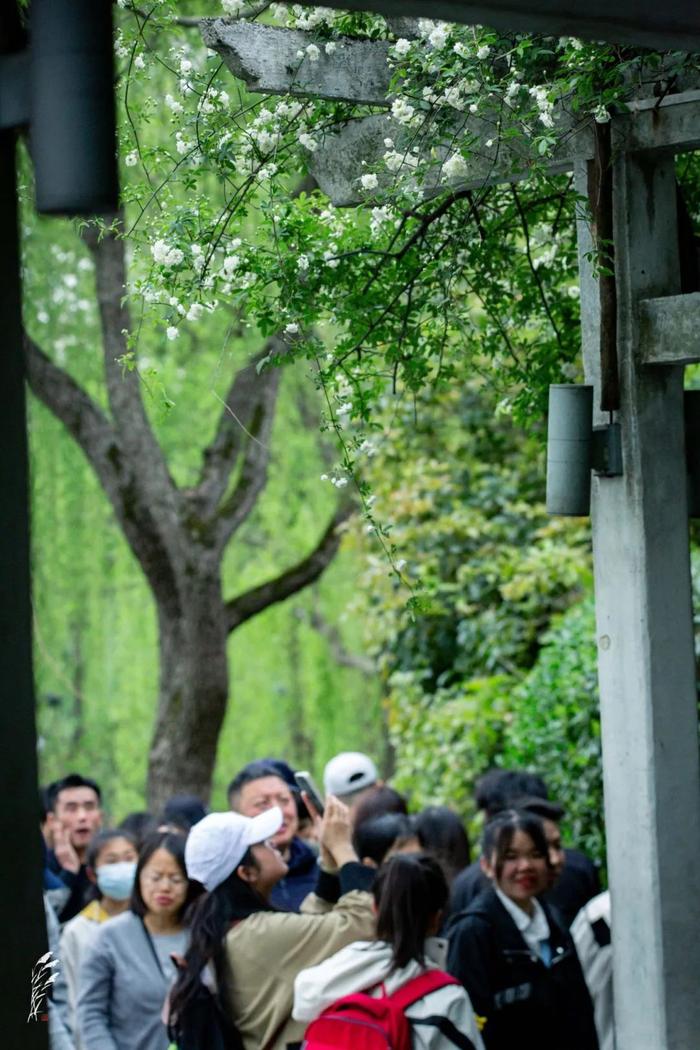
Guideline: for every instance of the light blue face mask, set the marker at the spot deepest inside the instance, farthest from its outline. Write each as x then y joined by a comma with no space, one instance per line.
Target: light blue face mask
116,880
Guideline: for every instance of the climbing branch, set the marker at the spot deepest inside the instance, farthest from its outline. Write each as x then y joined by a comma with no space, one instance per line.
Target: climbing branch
254,601
244,429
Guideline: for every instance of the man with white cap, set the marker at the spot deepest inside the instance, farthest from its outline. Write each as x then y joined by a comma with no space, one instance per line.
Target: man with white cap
349,776
254,951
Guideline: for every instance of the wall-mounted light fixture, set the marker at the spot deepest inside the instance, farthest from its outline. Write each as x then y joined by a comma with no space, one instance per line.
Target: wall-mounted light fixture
575,448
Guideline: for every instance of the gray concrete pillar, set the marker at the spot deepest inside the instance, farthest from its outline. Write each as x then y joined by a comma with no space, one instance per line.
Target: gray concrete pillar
646,663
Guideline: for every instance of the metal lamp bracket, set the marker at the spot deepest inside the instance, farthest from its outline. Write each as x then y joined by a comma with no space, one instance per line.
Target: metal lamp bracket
606,450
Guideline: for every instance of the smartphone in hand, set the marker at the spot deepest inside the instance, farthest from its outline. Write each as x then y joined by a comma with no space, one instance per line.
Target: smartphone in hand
305,783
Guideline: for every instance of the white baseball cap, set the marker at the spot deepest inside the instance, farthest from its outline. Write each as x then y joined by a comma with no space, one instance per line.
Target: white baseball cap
217,844
349,771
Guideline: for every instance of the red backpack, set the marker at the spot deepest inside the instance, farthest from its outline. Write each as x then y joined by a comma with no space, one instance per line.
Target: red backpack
365,1023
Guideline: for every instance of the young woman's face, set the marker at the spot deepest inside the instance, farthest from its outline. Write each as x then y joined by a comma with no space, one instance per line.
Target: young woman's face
163,884
525,872
116,851
270,867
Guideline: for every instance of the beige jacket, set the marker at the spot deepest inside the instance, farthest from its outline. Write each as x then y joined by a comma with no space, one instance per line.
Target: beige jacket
266,951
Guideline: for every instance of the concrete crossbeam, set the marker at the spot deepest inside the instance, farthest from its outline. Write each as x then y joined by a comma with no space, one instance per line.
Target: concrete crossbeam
673,25
266,59
669,330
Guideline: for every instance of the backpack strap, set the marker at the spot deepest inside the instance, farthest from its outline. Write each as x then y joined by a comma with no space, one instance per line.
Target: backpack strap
415,989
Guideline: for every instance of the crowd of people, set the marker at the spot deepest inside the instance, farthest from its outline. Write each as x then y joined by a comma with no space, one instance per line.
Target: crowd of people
278,925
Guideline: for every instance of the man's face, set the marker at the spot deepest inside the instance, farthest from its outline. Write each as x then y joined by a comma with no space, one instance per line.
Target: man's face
78,810
554,849
258,795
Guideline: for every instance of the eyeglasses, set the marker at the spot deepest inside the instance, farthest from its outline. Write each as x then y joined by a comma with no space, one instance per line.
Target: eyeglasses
154,877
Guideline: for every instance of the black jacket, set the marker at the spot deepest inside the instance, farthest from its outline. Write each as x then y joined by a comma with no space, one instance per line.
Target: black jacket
81,889
526,1004
299,881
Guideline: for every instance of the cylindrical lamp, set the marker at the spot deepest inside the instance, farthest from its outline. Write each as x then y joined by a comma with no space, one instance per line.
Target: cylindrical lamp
569,438
72,121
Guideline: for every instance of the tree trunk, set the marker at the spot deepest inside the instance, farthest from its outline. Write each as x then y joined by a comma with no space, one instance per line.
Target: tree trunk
193,690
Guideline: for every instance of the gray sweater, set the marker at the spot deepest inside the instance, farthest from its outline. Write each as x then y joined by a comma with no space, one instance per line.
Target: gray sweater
122,989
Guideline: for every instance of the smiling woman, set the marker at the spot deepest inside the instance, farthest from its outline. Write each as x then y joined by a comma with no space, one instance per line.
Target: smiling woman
126,975
508,949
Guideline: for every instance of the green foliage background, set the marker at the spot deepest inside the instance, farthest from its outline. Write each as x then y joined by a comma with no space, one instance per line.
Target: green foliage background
475,607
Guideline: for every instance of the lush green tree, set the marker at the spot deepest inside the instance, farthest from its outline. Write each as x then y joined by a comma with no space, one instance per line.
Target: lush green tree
438,273
178,500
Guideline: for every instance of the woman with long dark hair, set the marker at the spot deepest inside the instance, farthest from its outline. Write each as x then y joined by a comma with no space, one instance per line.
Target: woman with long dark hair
441,833
245,952
125,976
510,952
410,894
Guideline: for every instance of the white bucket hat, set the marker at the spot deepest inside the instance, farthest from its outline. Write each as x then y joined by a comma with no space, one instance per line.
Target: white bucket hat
217,844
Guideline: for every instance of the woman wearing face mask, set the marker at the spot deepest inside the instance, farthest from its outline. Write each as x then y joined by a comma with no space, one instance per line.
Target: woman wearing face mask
125,976
508,949
245,951
111,865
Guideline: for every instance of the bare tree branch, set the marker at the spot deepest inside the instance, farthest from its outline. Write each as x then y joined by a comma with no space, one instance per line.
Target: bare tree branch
123,384
101,445
342,656
254,601
246,419
148,466
81,416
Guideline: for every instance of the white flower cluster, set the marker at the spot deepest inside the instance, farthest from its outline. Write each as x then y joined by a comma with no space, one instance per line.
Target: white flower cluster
395,160
369,181
545,107
455,166
213,100
165,254
233,7
380,217
308,142
401,47
438,36
310,17
339,481
131,159
402,110
181,144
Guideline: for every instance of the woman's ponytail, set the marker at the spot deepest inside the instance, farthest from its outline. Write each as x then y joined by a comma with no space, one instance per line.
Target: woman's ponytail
409,892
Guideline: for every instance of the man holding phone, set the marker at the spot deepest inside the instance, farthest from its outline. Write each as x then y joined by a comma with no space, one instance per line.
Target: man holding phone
259,786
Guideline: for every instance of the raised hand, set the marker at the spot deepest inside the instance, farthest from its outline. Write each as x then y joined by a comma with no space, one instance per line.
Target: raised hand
63,848
335,833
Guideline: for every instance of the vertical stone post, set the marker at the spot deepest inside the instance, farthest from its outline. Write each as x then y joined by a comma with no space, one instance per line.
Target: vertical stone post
646,665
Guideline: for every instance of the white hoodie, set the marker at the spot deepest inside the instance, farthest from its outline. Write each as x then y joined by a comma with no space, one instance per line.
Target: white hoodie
366,964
